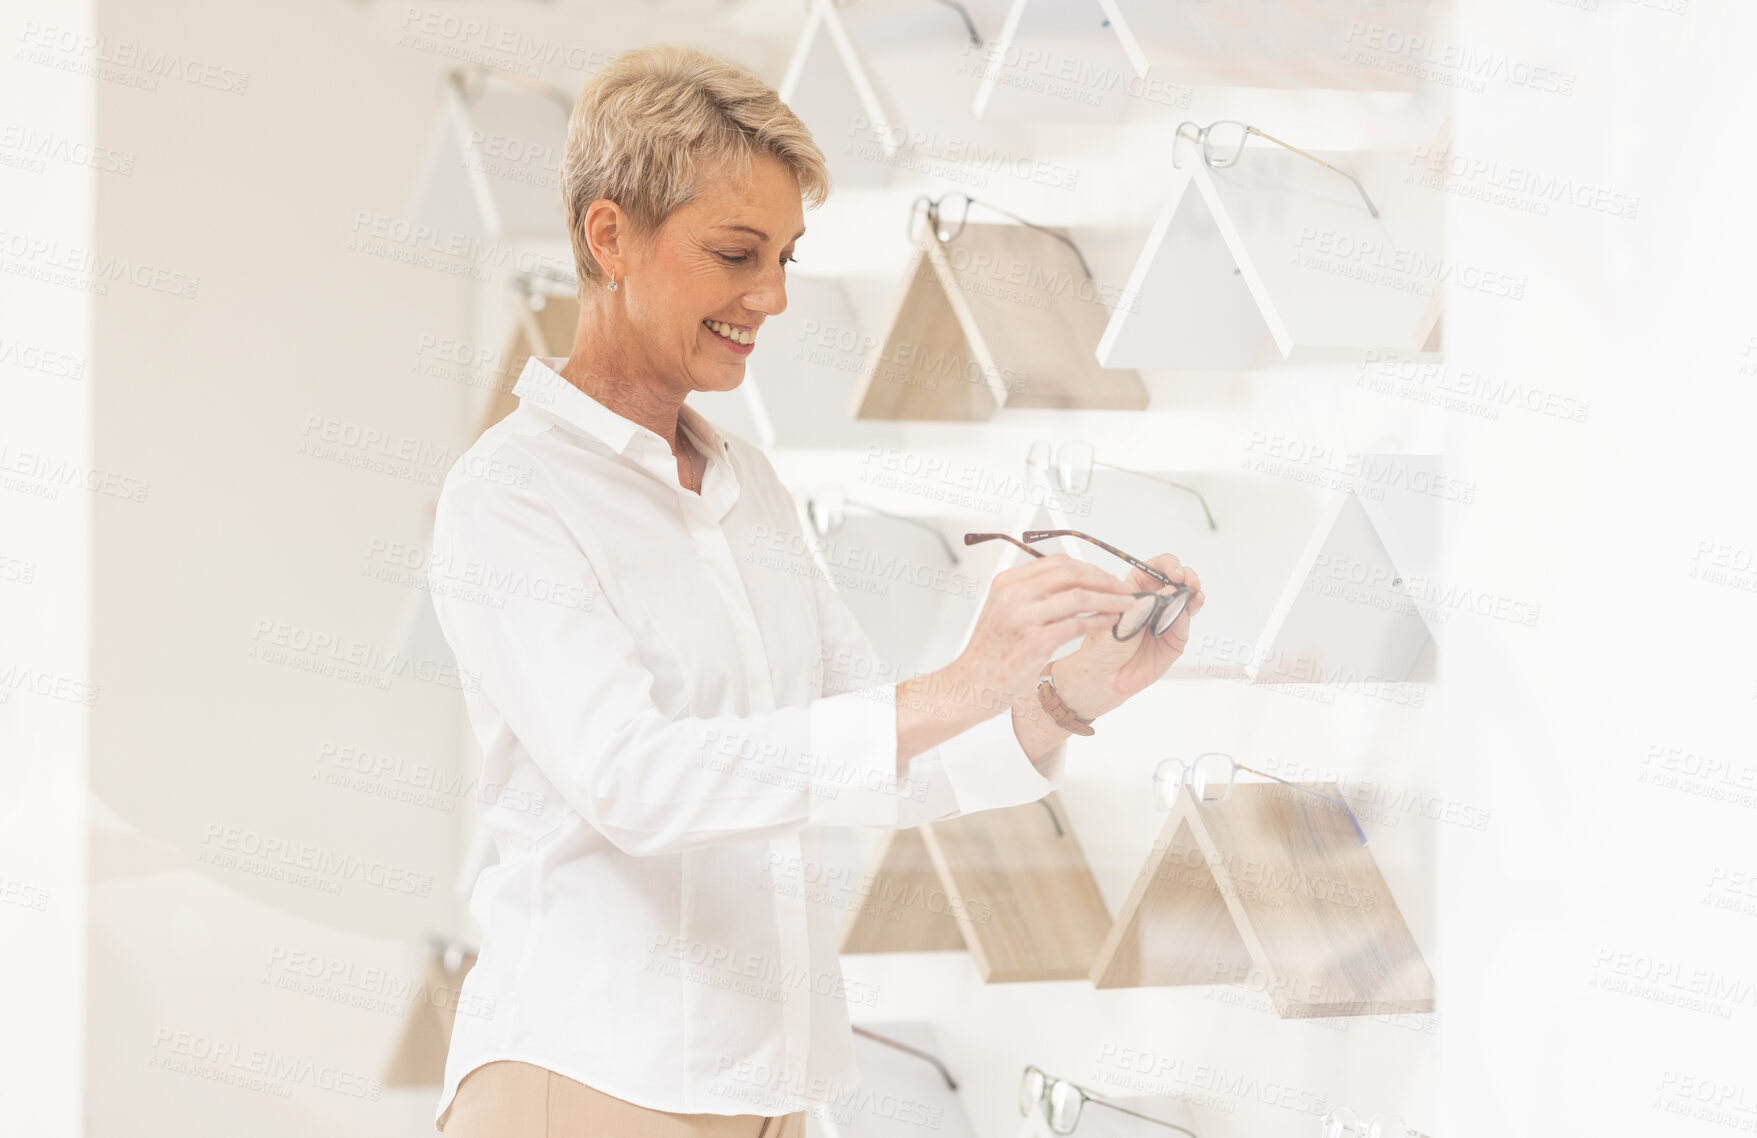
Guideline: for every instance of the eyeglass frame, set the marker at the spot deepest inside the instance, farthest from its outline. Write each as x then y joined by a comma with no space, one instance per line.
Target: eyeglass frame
1160,600
1201,140
933,221
1086,1096
1056,464
1354,1126
1189,780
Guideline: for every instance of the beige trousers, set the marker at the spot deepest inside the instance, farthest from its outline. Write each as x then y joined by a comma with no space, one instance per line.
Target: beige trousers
508,1099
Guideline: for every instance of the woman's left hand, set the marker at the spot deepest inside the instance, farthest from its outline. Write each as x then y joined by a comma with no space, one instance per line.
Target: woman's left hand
1104,671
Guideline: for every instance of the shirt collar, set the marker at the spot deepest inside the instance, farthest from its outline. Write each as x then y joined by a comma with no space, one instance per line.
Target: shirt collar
542,384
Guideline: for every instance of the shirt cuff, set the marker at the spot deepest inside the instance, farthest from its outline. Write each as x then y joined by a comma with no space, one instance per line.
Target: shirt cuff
853,759
988,767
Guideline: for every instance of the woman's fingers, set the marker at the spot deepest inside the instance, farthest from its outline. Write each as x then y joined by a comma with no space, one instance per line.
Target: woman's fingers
1058,570
1072,602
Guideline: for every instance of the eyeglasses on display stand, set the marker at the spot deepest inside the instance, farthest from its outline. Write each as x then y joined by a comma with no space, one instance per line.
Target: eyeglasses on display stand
1068,468
1062,1101
1223,143
1343,1123
1210,777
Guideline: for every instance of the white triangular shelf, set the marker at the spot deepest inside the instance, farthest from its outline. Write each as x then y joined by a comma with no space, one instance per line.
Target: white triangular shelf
1305,45
499,192
805,369
902,583
1003,315
886,82
1345,615
1055,61
1261,263
827,85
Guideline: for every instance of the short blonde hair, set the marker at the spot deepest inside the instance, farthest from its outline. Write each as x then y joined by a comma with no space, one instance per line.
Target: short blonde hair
646,125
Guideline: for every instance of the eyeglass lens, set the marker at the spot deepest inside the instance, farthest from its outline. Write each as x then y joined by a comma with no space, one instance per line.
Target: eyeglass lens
1065,1101
1387,1126
1212,777
1030,1090
1223,143
950,214
1067,468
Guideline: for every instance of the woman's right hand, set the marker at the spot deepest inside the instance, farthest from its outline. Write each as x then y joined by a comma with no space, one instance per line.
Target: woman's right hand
1031,610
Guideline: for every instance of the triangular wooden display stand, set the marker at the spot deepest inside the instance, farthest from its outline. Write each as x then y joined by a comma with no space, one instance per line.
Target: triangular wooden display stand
1346,615
546,333
1272,260
419,1058
1021,897
1001,316
1273,889
903,907
1303,45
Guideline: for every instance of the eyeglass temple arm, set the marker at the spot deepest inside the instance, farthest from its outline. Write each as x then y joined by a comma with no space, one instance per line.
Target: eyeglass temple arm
1371,208
1179,133
951,1083
1062,237
1044,534
968,26
974,538
951,554
1138,1114
1361,834
1205,510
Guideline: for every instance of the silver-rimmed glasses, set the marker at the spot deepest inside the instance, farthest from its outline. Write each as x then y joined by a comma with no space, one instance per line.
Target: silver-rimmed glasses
1223,142
1210,776
1343,1123
1062,1102
947,214
1068,468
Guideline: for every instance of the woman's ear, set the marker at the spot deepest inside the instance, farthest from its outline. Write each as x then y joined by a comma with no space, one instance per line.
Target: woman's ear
607,233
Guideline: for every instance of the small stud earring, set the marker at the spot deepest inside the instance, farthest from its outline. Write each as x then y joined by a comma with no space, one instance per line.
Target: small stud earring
612,282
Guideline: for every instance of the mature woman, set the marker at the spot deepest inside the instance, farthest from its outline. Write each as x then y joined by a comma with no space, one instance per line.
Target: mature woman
670,692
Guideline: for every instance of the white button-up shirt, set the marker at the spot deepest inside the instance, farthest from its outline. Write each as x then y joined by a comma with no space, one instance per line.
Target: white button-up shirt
669,696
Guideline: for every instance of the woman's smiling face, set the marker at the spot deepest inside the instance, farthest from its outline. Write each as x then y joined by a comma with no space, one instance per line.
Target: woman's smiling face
700,287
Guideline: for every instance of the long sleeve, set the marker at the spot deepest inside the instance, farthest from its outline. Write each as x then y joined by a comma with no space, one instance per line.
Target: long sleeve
569,683
983,768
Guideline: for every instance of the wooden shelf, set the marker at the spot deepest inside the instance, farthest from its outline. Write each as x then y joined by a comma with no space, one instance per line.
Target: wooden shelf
506,191
1296,45
1275,260
419,1058
1001,316
1269,887
1021,896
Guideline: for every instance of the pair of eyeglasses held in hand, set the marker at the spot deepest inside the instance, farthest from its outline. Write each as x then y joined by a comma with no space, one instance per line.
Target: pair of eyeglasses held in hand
1210,777
1158,616
1223,143
1062,1101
